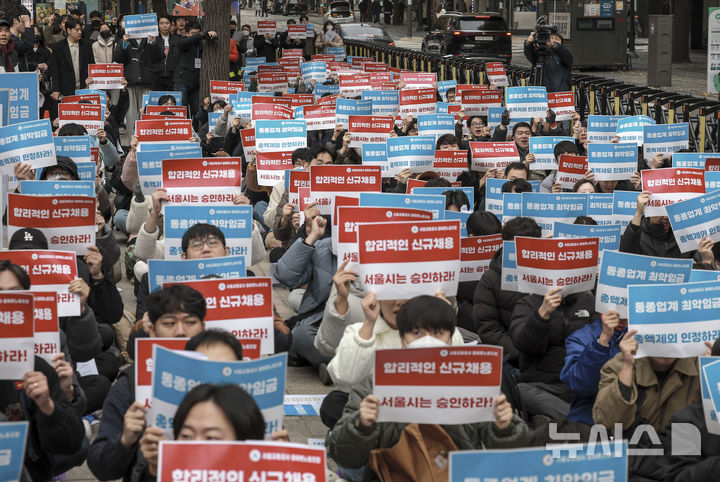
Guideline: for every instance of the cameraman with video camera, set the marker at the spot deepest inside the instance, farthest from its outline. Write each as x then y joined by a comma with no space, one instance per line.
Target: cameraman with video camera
550,59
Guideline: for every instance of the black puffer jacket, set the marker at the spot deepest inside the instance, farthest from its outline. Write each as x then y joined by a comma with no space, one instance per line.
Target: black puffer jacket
493,309
702,467
541,343
650,239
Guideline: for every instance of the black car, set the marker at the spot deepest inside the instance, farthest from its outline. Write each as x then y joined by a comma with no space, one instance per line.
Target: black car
364,32
472,36
295,7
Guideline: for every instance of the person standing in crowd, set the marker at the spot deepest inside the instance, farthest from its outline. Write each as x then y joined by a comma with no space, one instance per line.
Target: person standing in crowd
163,55
104,47
69,62
187,71
557,61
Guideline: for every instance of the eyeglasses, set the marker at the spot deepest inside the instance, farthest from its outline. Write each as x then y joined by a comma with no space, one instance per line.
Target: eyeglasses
211,241
477,124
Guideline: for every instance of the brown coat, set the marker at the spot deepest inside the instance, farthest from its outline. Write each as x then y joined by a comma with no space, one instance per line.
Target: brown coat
681,388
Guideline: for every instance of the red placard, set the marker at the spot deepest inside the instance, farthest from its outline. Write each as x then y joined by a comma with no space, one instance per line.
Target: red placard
16,316
292,53
477,102
557,254
712,164
562,103
247,139
251,348
166,130
298,179
144,359
221,89
265,26
95,155
319,117
106,76
298,100
202,172
323,57
418,78
297,32
417,101
354,84
375,67
328,100
403,242
450,159
452,366
361,60
289,61
368,129
496,73
411,183
271,166
493,155
264,68
74,99
177,110
345,178
271,112
475,255
90,116
671,185
349,217
241,461
47,335
571,169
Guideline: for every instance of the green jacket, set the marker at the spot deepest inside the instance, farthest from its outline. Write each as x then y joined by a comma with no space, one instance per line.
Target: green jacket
350,447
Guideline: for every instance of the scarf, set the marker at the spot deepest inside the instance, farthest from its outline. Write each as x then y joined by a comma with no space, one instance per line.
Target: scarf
9,67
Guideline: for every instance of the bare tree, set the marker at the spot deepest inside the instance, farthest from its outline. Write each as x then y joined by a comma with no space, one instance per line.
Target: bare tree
216,55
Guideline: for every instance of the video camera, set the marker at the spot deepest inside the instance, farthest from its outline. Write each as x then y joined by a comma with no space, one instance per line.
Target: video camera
543,32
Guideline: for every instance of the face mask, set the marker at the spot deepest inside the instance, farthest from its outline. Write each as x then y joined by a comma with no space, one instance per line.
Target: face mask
56,177
328,28
106,34
246,33
426,341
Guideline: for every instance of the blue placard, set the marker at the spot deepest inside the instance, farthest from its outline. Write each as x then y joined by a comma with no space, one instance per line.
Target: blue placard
154,96
468,190
101,93
619,270
462,216
375,155
609,236
602,128
712,181
13,440
87,171
149,161
315,70
443,107
235,222
252,63
665,139
560,463
174,374
711,371
414,152
694,160
711,417
344,108
212,120
535,185
495,117
444,86
168,271
141,26
494,195
58,188
512,206
704,275
384,102
22,88
280,135
338,52
524,102
322,89
624,203
435,124
432,203
631,129
695,218
509,279
600,208
546,208
610,162
4,107
76,148
30,142
543,148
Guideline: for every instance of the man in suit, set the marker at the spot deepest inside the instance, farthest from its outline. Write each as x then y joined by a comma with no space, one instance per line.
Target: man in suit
69,61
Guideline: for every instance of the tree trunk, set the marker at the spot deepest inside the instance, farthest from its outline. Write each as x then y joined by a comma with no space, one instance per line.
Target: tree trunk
160,7
216,55
681,31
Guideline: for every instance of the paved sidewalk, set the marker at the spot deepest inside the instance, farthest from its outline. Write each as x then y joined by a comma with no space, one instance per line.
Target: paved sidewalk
688,79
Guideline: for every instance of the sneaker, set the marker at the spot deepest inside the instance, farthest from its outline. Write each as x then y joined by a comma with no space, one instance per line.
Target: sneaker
324,375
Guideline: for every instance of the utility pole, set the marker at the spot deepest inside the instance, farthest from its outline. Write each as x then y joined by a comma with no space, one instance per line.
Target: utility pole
408,11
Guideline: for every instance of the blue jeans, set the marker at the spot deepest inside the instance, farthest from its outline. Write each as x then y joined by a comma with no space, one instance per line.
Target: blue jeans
303,345
258,210
120,220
